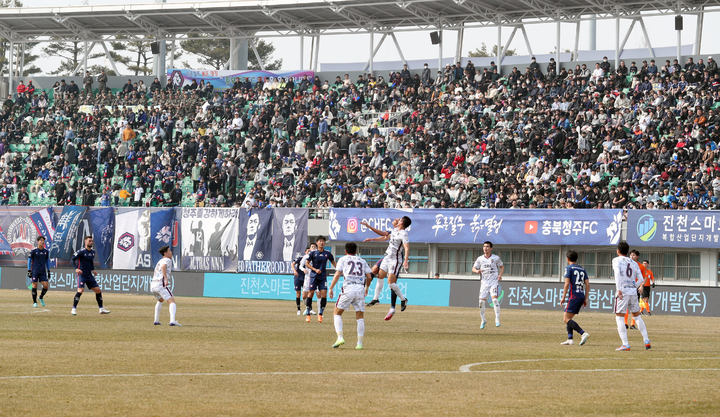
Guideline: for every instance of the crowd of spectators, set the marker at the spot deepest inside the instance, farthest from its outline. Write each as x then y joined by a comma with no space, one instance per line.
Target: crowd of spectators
637,136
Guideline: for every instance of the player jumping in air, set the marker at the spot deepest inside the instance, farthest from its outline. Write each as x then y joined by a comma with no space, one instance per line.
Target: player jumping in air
374,270
576,280
398,243
159,286
82,260
491,270
628,281
354,289
316,263
39,270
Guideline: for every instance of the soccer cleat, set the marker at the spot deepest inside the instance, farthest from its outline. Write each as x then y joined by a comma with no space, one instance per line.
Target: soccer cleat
568,342
624,347
74,311
649,313
584,338
307,319
626,326
633,327
647,344
403,304
299,312
372,303
339,342
313,312
103,311
34,304
497,324
320,318
482,325
306,312
390,315
359,346
157,323
174,323
42,302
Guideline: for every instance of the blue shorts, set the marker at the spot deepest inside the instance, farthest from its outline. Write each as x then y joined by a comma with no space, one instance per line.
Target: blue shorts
39,278
574,305
318,284
299,281
89,281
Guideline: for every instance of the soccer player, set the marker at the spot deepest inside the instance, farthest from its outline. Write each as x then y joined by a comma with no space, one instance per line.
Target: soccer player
398,241
354,289
379,286
635,256
308,281
576,280
649,276
39,270
82,260
299,277
627,284
317,263
491,270
159,286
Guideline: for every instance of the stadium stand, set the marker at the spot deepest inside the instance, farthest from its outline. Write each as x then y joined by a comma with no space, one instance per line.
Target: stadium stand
638,136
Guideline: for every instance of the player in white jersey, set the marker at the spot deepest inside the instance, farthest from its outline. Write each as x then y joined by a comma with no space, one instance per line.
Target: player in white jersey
356,273
308,280
491,270
628,282
159,286
398,241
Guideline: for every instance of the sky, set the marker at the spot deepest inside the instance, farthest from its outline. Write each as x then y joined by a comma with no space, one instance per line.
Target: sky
416,45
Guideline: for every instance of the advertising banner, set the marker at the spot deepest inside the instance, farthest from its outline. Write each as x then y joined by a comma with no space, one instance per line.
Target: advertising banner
224,79
103,227
66,232
530,227
679,229
210,242
289,234
255,242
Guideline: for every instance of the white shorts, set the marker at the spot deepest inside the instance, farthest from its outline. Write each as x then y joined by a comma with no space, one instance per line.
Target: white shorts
391,265
491,288
353,297
628,302
306,283
160,292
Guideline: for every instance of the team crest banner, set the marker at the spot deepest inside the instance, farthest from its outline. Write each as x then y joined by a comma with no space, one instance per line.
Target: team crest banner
125,247
254,243
103,231
66,232
161,232
210,239
289,237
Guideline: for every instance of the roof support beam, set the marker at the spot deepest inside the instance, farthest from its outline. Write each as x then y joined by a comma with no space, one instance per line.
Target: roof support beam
507,46
373,51
397,46
527,41
627,35
647,38
110,58
698,32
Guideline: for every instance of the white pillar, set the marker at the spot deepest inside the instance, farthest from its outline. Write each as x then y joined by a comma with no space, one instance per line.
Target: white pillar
85,57
458,48
302,51
372,50
440,51
172,54
11,52
557,41
162,69
593,32
577,43
317,53
499,45
679,45
698,31
617,40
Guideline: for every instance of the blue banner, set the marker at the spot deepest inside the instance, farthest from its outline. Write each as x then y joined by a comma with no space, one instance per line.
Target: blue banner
530,227
161,228
5,248
224,79
44,221
686,228
103,226
65,232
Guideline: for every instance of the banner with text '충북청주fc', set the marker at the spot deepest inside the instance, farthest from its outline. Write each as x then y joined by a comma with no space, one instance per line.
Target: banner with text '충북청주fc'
210,239
679,229
475,226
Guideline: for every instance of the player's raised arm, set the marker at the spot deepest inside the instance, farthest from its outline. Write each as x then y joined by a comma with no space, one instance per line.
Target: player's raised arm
378,231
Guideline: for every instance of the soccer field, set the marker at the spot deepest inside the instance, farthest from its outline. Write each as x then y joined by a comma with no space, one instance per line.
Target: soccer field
248,357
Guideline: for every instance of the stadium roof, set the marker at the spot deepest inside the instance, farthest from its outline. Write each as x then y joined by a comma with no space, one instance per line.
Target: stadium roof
268,18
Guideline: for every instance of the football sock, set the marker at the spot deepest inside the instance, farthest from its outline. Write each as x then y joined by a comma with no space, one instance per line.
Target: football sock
43,292
641,325
158,307
482,309
569,331
622,331
396,290
496,307
98,297
297,301
308,304
323,303
573,325
360,329
378,288
173,310
77,299
626,318
34,295
338,325
393,299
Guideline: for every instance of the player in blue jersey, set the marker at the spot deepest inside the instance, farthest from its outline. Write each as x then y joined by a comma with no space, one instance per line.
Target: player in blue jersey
82,260
576,281
39,269
316,264
299,277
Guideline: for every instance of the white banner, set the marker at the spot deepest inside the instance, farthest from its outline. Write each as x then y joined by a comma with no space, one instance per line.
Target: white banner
127,240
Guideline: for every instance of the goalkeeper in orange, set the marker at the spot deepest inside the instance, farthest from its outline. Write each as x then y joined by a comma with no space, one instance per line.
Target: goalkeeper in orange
647,276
